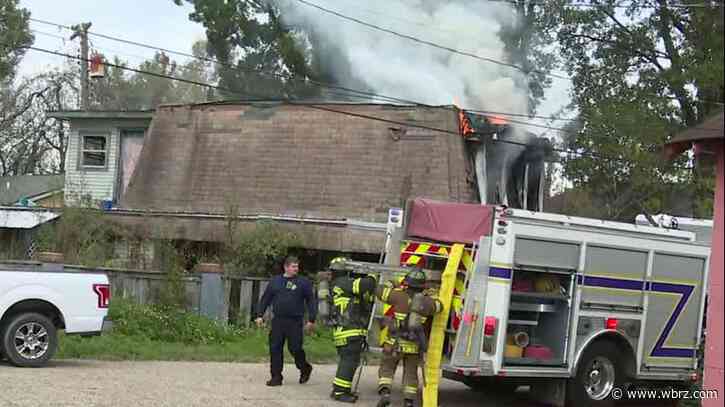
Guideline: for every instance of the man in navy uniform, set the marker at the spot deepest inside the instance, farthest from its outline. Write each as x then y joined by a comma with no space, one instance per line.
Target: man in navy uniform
289,295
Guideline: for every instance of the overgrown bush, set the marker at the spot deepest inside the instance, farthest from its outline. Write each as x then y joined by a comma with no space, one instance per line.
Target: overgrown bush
254,252
168,324
83,235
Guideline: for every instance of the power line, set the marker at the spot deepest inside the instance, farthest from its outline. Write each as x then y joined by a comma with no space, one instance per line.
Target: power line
323,108
641,6
355,92
424,42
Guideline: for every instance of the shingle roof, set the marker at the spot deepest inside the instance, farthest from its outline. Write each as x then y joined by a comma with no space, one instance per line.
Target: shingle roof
290,159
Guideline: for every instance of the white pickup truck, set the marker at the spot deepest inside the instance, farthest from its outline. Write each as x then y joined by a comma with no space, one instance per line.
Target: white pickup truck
36,303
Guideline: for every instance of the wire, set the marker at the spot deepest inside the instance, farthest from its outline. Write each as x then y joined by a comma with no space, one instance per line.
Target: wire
640,6
424,42
327,109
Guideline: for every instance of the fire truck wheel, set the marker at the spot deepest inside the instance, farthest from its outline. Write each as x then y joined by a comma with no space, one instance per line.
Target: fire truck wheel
599,373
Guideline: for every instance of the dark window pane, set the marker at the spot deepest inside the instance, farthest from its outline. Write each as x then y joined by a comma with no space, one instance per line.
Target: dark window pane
94,143
94,159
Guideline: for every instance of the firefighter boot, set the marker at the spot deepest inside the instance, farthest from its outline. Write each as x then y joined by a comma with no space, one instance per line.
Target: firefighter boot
408,403
384,398
343,396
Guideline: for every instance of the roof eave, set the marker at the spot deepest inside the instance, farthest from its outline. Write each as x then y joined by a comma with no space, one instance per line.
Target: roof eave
83,115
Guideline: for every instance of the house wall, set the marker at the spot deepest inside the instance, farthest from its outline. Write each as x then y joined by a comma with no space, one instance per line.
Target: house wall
97,184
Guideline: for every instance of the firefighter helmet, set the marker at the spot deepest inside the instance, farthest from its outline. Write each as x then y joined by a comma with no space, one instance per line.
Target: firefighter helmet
339,265
415,279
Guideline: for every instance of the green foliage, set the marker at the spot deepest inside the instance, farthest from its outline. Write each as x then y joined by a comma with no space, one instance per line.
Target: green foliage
248,37
634,71
83,235
148,332
14,35
173,295
167,324
119,90
254,251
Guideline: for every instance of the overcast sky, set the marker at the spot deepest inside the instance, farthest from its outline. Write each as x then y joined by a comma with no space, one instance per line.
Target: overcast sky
155,22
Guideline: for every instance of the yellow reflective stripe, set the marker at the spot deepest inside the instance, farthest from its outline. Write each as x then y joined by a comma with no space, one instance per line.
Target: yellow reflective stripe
400,315
386,293
342,383
338,290
410,389
356,286
408,347
349,333
385,380
341,301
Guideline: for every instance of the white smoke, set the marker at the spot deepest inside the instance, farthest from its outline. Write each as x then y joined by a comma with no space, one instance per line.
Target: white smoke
393,66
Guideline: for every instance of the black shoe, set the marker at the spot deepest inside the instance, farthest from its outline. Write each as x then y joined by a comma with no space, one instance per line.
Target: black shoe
343,396
305,374
275,381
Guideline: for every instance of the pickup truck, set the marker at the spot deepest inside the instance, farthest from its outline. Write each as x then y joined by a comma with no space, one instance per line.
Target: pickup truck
36,303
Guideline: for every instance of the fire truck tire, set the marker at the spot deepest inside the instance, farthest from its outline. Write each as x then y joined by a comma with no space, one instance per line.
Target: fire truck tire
599,372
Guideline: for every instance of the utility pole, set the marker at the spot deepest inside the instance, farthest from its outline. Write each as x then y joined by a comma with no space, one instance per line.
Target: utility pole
81,31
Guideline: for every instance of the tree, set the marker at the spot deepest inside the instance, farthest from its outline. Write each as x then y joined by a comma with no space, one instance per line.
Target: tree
248,38
120,89
14,36
30,141
528,43
639,75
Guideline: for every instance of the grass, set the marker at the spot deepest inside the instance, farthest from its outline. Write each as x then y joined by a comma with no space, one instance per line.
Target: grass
250,347
151,332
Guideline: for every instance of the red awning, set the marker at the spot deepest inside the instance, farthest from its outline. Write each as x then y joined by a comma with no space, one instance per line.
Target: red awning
448,221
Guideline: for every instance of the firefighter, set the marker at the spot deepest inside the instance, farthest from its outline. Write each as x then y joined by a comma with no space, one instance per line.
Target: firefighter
352,302
406,341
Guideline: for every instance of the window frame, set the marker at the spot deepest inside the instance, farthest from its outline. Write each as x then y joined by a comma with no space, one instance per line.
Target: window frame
82,134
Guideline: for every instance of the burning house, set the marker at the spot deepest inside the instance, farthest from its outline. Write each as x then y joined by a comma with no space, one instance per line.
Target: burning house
327,171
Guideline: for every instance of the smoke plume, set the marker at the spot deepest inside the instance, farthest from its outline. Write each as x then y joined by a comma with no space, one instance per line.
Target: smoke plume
359,56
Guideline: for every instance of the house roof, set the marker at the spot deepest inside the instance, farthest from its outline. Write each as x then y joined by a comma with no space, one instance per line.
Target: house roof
709,130
15,188
288,159
17,218
97,114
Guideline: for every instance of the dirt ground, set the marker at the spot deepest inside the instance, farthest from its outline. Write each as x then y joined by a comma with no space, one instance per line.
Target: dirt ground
182,384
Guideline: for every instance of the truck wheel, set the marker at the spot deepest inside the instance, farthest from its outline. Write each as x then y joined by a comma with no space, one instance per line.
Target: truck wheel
599,372
30,340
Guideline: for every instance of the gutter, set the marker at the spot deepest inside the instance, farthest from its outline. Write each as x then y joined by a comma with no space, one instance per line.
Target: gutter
334,222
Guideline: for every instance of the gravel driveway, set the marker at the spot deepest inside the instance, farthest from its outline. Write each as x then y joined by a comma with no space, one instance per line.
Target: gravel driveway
182,384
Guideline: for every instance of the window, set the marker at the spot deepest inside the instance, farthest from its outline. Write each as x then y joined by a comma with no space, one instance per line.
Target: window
94,152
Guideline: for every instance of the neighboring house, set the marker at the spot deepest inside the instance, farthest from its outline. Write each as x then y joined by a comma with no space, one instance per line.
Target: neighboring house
32,190
102,150
708,141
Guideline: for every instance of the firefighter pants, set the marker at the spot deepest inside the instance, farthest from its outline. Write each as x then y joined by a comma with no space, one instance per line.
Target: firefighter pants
410,372
348,362
291,331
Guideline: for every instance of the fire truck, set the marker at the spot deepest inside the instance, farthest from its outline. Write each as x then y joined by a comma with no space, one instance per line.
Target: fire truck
576,308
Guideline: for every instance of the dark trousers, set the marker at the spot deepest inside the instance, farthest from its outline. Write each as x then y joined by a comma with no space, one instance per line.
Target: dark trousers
290,330
348,362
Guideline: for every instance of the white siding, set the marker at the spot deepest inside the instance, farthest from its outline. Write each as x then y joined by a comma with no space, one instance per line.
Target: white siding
99,184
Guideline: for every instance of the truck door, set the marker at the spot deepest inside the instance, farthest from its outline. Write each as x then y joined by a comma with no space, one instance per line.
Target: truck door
673,312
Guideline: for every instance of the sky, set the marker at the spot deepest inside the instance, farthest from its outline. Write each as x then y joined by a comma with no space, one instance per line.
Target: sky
155,22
